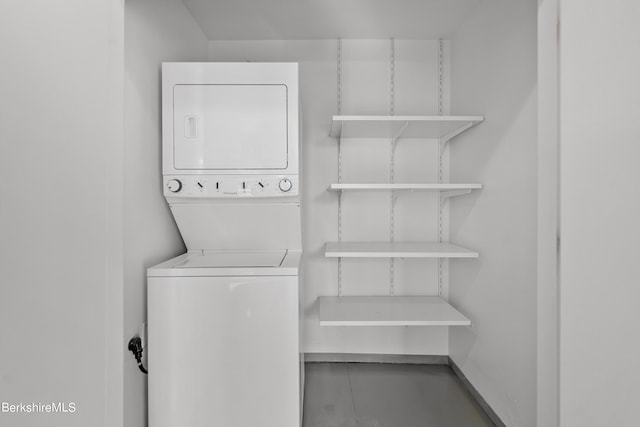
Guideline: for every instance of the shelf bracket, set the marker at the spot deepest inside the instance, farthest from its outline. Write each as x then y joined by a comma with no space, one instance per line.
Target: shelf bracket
337,130
446,138
395,194
398,135
452,193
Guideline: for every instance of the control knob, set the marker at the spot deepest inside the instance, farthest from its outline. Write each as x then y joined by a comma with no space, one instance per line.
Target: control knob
285,185
174,185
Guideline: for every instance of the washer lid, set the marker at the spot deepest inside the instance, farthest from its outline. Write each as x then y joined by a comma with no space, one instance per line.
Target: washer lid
229,263
232,259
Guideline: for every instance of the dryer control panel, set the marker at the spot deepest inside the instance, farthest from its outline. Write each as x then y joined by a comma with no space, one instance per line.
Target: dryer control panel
230,186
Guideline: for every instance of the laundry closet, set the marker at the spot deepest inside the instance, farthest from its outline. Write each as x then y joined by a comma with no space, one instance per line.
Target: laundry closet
418,175
535,307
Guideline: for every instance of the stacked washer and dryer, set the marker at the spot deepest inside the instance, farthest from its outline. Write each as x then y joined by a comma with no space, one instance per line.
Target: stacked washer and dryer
223,318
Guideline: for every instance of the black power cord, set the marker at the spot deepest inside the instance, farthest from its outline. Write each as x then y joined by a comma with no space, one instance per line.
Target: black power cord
135,347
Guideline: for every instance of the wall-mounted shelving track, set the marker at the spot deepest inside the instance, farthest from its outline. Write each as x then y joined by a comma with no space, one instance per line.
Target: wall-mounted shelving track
395,310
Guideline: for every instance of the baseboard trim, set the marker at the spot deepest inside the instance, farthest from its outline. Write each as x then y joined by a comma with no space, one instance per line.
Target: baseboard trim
475,394
408,359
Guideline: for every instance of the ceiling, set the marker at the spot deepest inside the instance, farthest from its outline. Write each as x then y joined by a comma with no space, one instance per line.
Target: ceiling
329,19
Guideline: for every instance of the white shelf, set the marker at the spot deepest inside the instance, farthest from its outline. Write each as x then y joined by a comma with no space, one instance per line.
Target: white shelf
389,311
445,127
396,250
402,187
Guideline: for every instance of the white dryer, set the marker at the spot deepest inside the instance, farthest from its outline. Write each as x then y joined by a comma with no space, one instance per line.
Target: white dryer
223,318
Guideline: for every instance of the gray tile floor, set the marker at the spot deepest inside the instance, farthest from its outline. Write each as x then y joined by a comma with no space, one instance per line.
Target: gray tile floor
387,395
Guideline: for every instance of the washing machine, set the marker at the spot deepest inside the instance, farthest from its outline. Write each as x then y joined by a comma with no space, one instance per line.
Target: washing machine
224,318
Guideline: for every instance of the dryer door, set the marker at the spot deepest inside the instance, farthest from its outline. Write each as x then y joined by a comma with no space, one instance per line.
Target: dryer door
230,126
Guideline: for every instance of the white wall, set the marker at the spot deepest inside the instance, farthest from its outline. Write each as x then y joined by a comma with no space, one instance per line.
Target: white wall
599,211
494,73
61,210
156,31
365,90
547,213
